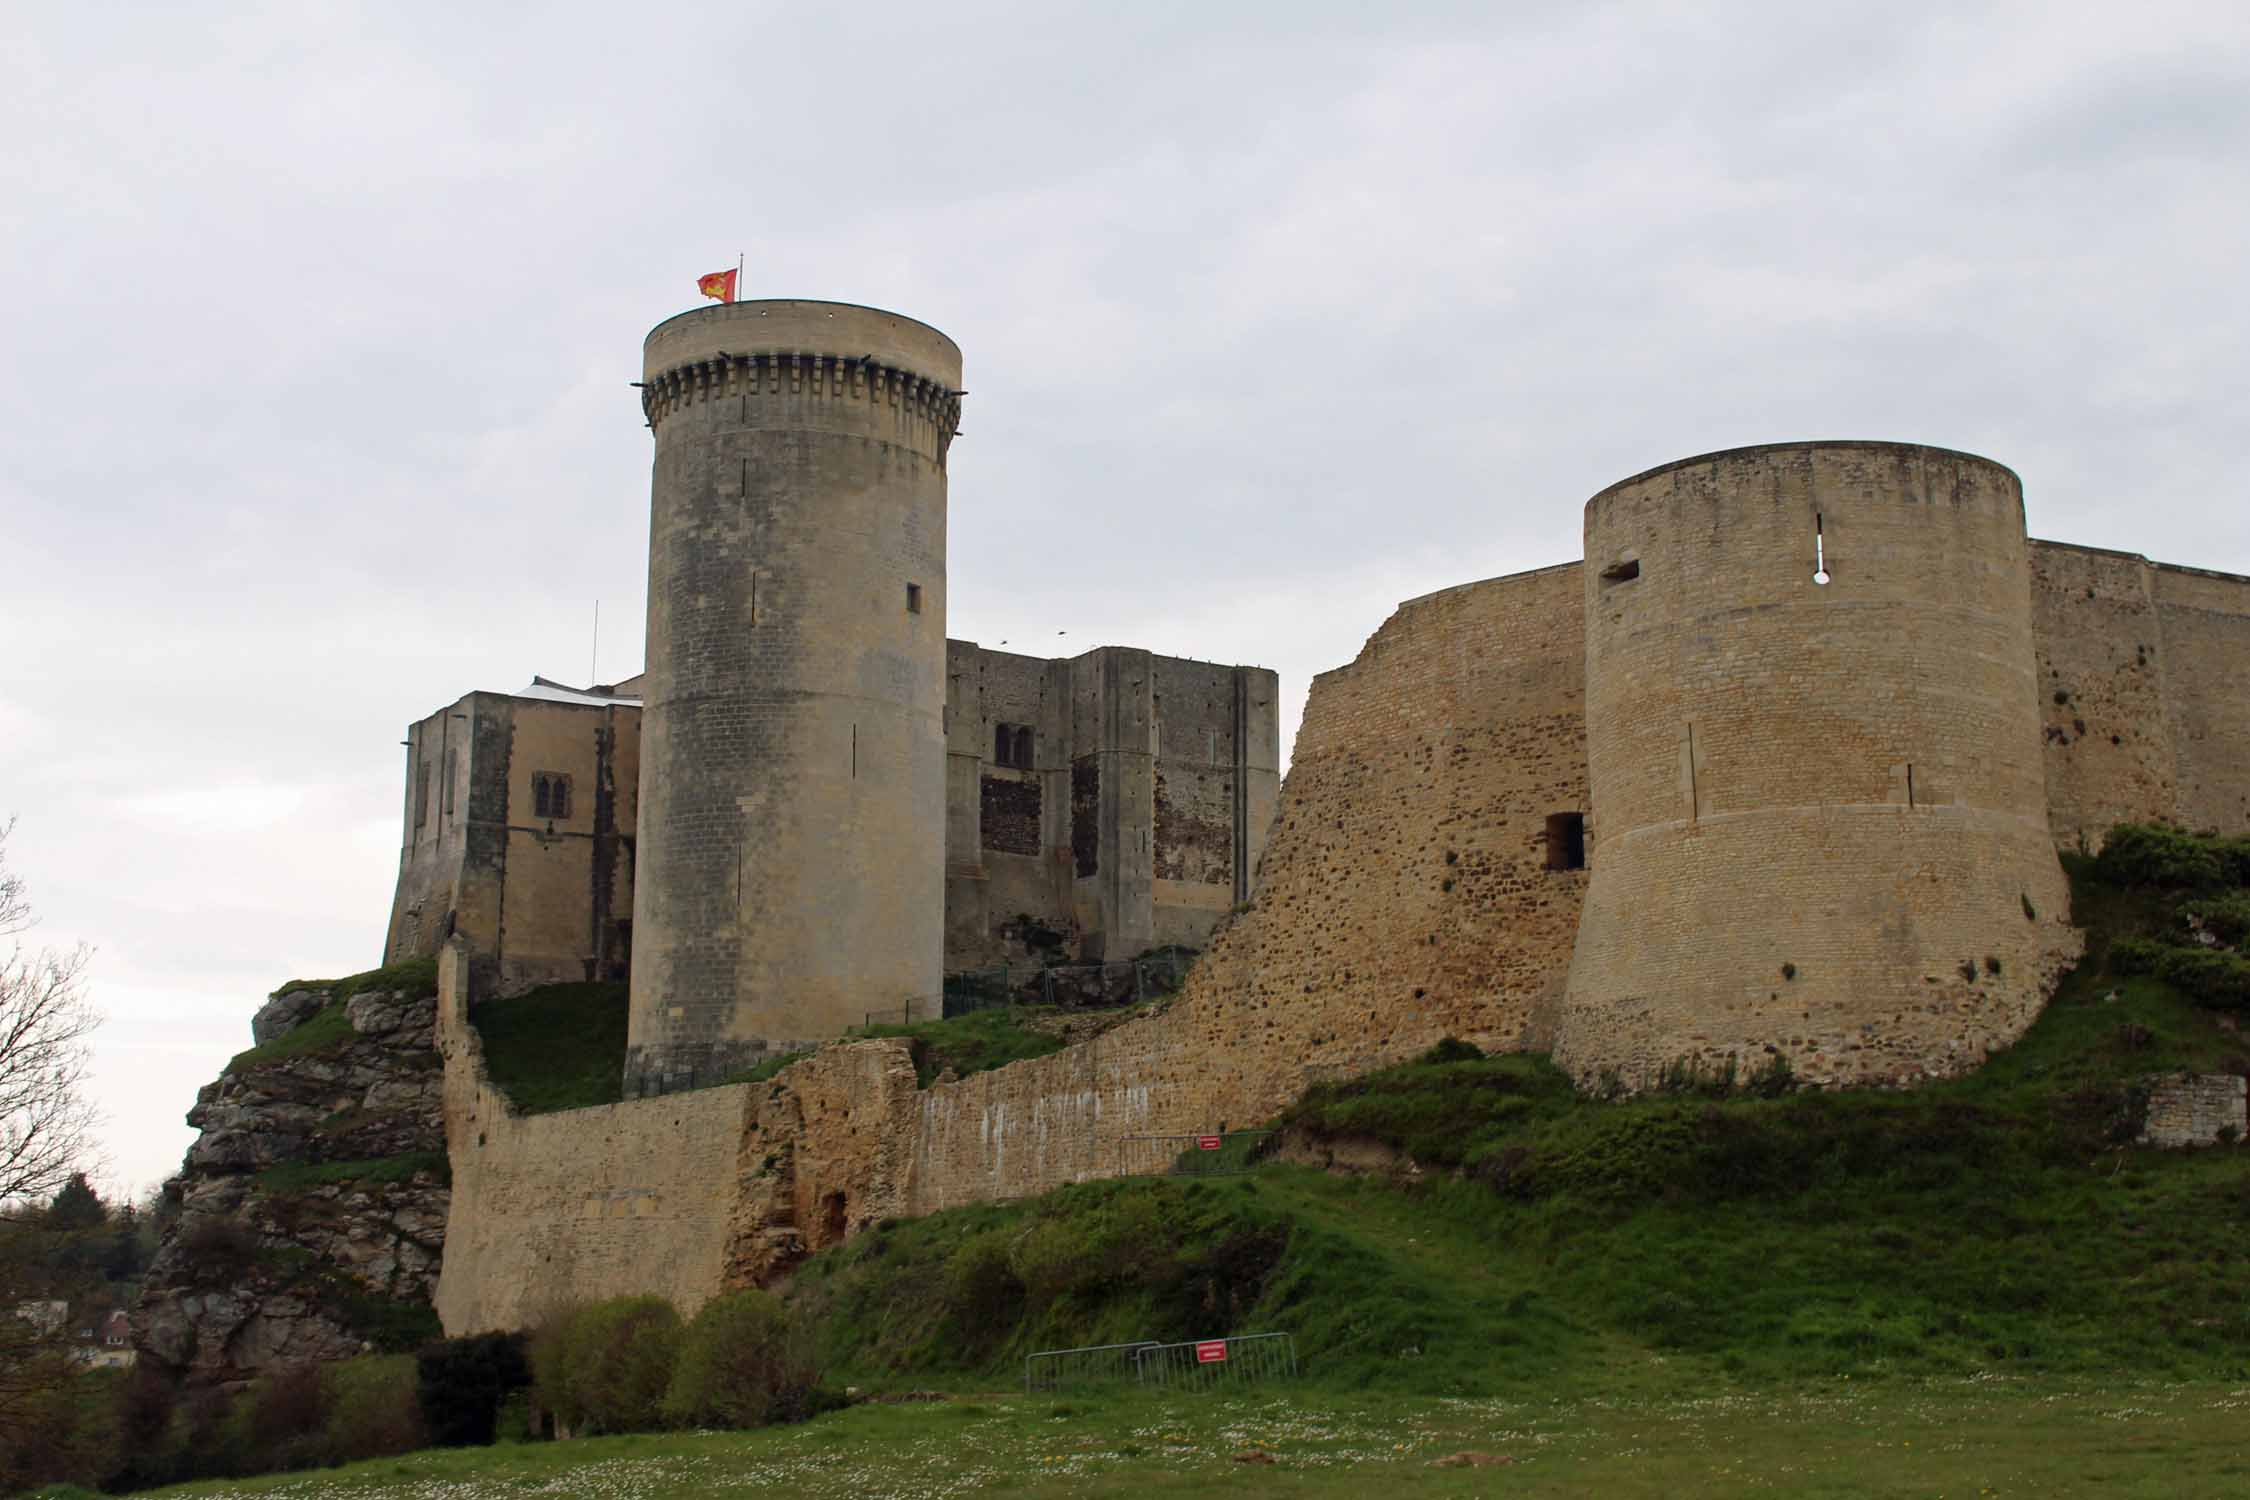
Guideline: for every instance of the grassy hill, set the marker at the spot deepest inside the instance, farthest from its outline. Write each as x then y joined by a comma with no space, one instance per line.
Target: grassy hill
1524,1235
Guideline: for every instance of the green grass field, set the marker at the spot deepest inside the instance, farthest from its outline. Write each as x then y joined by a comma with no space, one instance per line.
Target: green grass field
1652,1437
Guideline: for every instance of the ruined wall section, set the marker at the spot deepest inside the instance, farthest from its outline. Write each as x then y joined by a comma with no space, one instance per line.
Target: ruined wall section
537,899
2140,673
1217,782
2206,661
1007,847
582,1204
2107,736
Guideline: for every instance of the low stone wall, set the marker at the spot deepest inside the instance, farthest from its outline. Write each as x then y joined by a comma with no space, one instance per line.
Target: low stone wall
578,1205
2196,1109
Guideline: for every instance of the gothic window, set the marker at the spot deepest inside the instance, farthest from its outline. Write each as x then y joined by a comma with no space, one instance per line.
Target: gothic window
1012,746
422,794
550,795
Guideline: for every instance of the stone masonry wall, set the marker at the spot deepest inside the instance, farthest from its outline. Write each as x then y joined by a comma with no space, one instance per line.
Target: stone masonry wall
1403,897
2140,678
578,1205
2195,1109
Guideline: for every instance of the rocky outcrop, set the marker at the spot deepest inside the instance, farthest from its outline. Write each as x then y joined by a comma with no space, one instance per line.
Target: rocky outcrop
308,1220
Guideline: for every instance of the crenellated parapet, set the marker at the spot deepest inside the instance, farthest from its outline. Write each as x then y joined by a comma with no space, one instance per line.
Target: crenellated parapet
930,407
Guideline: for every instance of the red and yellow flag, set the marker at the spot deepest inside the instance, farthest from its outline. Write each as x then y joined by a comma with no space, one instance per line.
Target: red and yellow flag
719,285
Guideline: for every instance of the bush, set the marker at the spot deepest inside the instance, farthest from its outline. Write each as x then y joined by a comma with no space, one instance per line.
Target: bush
373,1409
2207,976
605,1367
2150,854
283,1417
981,1285
460,1383
741,1364
2136,955
1452,1049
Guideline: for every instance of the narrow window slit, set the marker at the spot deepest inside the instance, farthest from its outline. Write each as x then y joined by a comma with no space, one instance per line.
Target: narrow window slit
1566,841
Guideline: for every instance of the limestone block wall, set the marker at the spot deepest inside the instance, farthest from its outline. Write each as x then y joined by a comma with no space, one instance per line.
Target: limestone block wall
1821,818
2206,657
2196,1109
793,773
2140,671
585,1204
1140,818
1455,733
538,898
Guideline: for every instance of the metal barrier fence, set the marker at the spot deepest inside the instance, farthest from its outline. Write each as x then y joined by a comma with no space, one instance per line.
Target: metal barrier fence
1199,1364
1220,1153
1205,1363
1063,1369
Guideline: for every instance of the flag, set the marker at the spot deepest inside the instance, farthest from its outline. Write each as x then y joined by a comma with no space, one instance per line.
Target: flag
719,285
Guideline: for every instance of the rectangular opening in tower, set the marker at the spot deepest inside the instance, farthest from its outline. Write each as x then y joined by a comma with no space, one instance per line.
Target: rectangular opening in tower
1622,572
1566,841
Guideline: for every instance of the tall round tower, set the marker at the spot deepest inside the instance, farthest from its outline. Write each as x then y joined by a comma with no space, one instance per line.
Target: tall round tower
1819,814
790,871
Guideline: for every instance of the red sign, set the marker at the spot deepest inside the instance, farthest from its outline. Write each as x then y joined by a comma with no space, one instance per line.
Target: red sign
1209,1142
1211,1352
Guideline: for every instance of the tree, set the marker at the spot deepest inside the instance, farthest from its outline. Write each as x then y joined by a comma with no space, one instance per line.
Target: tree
76,1206
46,1020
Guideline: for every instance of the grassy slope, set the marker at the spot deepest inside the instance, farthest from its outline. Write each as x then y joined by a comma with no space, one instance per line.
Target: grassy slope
558,1047
1997,1222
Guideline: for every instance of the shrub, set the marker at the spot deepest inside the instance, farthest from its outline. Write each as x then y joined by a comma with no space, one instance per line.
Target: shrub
2136,955
373,1409
460,1383
2150,854
981,1286
607,1368
1452,1049
741,1364
283,1417
2207,976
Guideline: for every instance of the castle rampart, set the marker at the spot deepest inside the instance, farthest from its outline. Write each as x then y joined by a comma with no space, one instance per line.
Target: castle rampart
793,771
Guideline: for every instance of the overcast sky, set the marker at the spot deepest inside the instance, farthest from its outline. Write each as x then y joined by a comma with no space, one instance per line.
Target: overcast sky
320,320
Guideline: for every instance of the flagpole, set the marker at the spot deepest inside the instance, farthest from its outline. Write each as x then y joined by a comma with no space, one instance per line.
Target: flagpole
738,260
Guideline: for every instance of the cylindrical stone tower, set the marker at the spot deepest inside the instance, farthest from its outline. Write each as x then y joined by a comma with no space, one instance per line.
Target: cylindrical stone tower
790,870
1819,814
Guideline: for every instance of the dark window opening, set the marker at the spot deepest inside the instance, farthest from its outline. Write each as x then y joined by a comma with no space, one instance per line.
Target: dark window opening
1566,841
1623,572
550,795
1012,746
422,794
914,598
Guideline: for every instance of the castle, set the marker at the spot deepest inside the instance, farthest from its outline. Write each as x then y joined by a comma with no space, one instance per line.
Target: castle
1779,771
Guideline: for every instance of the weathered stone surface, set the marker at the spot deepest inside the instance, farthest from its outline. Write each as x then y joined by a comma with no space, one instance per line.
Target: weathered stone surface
254,1274
2197,1109
284,1013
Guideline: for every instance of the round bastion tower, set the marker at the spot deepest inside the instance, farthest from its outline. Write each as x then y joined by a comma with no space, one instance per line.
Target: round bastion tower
790,872
1819,815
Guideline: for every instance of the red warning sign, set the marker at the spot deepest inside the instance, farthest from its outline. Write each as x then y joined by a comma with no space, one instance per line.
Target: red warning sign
1209,1142
1211,1352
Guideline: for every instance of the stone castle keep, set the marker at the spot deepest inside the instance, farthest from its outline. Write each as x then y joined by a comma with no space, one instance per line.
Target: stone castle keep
1779,770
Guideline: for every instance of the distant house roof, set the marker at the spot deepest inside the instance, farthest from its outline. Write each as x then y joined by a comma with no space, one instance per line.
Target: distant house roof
626,694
